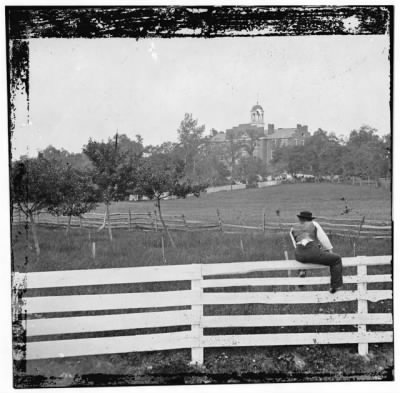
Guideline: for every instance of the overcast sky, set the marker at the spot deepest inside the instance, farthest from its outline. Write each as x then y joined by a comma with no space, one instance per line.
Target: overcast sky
82,88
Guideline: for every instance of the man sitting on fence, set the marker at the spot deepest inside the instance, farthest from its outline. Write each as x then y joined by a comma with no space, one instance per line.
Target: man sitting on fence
312,245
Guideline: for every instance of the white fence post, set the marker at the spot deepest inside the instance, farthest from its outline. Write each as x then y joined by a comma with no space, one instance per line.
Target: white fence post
197,329
362,303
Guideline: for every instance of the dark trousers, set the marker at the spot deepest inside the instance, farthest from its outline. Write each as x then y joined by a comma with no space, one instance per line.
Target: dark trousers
312,253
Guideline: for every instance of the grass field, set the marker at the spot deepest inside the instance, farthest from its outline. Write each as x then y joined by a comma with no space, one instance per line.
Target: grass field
245,206
59,252
308,363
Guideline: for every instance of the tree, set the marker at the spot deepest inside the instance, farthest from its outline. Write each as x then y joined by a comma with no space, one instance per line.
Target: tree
190,135
364,154
131,149
233,152
210,167
76,160
250,143
35,187
160,176
367,153
114,171
77,194
249,168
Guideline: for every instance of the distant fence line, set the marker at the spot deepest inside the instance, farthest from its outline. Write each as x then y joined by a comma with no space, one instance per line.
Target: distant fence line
79,313
381,182
150,221
234,187
345,227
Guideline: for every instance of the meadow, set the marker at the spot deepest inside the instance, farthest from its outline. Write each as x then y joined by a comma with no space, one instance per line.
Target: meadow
246,206
138,248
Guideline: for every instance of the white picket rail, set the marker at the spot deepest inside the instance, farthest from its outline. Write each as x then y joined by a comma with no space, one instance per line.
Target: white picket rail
268,183
202,276
232,187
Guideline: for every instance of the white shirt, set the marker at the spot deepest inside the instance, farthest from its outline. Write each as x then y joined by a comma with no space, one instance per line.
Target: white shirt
321,236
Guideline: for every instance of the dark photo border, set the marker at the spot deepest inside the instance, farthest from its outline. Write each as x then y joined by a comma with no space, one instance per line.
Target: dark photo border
24,23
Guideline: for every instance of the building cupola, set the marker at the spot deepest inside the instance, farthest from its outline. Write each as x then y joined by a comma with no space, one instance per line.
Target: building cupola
257,115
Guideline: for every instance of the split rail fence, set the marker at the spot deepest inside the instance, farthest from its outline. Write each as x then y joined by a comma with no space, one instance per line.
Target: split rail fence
344,227
128,220
43,326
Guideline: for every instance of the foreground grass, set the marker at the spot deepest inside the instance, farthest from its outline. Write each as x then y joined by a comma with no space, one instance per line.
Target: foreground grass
228,365
61,252
246,206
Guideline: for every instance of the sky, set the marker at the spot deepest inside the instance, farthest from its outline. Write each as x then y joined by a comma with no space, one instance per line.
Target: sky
92,88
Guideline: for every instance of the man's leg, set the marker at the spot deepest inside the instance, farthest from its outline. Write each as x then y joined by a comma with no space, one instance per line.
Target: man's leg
313,254
334,261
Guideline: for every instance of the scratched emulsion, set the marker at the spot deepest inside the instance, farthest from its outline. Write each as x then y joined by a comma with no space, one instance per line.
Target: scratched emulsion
24,23
96,22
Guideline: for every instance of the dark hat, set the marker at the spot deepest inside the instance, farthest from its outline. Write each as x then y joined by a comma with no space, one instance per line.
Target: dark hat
306,215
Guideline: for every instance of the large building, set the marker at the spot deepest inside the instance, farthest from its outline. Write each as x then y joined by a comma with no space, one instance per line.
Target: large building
261,141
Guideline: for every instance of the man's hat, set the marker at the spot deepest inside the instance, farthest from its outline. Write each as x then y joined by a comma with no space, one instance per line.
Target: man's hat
306,215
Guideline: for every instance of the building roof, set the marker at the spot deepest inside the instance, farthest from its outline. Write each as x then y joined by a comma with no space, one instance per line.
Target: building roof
220,137
246,129
255,107
282,133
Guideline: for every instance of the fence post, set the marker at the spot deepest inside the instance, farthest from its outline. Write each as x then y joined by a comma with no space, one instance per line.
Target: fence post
129,220
219,221
197,328
163,249
263,220
362,303
155,220
184,222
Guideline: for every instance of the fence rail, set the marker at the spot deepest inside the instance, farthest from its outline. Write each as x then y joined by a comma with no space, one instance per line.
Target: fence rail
127,220
150,221
37,313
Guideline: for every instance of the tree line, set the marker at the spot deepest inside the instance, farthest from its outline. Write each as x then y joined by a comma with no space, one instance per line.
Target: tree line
364,154
71,184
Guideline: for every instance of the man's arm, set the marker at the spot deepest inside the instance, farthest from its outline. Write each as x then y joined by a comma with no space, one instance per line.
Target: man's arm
292,237
323,238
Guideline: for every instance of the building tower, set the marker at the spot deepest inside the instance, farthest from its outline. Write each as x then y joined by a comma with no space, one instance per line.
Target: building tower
257,115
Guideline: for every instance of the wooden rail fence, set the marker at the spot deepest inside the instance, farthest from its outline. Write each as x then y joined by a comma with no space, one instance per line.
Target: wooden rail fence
150,221
128,220
344,227
43,326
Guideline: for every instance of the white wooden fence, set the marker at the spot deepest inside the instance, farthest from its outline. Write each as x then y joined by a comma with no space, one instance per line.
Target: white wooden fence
235,187
232,187
202,276
268,183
